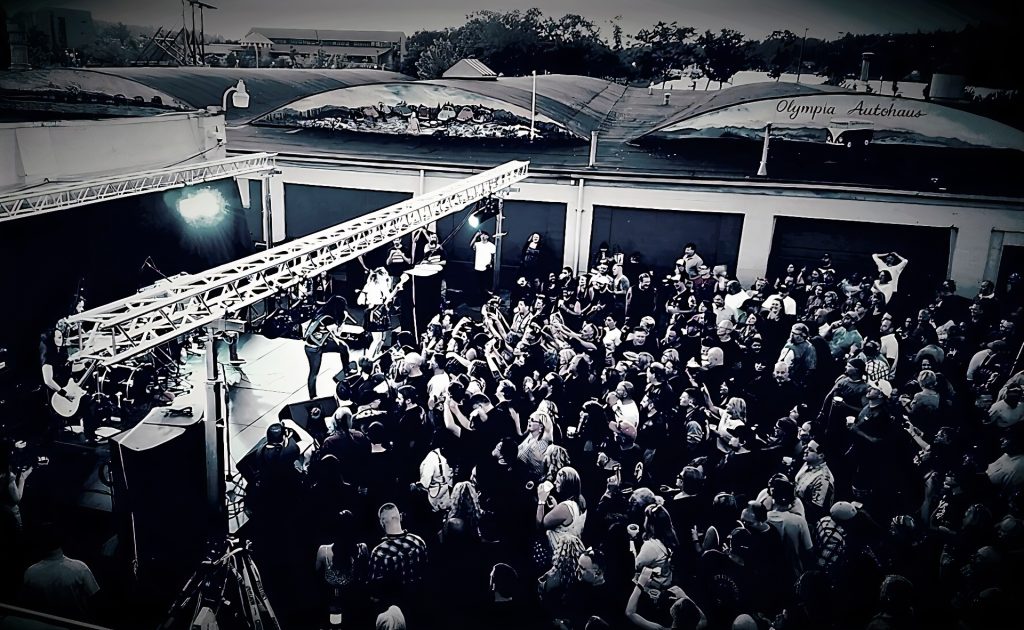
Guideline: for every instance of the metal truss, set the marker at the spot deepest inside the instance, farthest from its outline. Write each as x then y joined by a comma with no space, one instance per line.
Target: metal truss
53,197
118,331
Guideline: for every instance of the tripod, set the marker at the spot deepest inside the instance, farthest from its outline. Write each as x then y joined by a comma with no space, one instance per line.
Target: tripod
227,588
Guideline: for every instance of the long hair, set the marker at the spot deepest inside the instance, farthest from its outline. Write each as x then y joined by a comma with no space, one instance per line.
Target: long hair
737,408
658,526
343,536
555,459
570,487
548,432
465,507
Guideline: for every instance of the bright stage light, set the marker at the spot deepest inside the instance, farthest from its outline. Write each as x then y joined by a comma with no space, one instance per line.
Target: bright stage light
474,221
202,208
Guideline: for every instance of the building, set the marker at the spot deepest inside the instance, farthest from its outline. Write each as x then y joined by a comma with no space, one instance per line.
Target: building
470,69
934,182
354,49
65,29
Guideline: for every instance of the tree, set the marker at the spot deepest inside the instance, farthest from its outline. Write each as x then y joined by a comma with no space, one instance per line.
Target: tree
722,55
784,43
414,47
40,55
573,45
509,43
437,58
662,48
616,33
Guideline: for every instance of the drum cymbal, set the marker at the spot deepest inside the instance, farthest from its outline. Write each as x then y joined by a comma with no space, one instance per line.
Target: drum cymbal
425,269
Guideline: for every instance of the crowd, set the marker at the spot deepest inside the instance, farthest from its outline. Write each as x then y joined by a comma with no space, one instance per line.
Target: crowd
616,450
625,449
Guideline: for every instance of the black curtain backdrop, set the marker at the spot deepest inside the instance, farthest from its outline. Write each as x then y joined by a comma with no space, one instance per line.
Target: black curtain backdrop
43,259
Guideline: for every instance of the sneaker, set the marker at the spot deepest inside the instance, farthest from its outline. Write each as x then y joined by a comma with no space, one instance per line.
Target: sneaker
236,361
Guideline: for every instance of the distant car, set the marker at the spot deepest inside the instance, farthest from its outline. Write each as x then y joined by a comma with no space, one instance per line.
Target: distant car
850,132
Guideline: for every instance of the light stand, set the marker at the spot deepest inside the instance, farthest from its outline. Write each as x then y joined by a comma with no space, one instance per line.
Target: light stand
498,239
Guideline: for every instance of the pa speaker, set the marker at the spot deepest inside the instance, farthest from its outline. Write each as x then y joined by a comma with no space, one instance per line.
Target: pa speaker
159,492
311,415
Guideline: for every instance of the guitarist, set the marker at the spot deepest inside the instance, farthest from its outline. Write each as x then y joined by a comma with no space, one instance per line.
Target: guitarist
320,337
378,296
56,370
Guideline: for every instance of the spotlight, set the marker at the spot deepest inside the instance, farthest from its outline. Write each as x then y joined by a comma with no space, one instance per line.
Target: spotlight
485,209
202,208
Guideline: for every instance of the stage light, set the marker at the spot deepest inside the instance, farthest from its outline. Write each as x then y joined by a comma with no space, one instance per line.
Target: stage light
485,209
203,208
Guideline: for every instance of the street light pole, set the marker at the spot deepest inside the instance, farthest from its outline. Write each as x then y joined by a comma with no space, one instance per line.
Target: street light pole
762,169
800,63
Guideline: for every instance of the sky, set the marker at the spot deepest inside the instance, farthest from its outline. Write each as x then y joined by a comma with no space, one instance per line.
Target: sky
824,19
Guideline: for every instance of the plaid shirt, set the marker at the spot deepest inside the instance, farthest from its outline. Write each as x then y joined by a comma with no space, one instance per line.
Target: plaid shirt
831,542
876,369
398,560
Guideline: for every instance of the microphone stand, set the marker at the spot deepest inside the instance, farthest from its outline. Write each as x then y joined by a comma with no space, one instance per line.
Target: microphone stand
149,263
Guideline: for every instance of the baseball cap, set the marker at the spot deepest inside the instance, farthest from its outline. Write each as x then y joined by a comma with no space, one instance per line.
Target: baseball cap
882,386
843,511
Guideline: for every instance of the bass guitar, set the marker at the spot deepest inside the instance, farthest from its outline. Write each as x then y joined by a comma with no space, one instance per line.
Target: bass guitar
67,405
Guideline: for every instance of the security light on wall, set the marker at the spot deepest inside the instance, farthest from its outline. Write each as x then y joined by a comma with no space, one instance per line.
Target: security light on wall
239,96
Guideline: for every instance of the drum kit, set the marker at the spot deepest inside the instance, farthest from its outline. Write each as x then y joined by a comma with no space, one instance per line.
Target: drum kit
129,391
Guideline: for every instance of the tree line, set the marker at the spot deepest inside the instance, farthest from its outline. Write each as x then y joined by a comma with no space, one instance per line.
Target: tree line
516,42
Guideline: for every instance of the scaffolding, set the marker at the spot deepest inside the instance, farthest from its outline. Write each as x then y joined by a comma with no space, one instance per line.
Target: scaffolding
115,332
52,197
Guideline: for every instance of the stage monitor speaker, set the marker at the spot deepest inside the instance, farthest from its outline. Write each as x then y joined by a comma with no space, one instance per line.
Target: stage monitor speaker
248,466
159,496
312,415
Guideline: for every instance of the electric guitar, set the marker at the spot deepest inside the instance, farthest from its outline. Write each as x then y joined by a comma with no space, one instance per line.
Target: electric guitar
380,314
67,406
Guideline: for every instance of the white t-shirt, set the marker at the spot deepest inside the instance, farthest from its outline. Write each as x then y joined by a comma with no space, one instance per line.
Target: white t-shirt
894,270
484,253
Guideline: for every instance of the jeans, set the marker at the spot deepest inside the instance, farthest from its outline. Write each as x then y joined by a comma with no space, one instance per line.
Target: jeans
315,357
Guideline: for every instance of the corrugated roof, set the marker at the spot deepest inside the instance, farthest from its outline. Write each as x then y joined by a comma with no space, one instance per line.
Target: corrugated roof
321,34
469,68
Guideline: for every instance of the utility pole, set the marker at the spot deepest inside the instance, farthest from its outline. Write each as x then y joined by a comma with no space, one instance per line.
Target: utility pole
800,63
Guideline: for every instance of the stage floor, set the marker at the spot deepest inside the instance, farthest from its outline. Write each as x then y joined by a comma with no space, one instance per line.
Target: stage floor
273,375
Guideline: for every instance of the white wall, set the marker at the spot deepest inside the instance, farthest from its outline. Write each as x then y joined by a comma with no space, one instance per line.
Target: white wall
975,224
68,150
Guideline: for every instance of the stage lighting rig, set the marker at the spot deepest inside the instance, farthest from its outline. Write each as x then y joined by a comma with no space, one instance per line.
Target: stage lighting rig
202,208
486,209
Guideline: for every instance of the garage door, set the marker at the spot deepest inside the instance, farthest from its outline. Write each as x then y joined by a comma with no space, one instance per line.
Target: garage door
851,243
522,218
659,235
309,209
